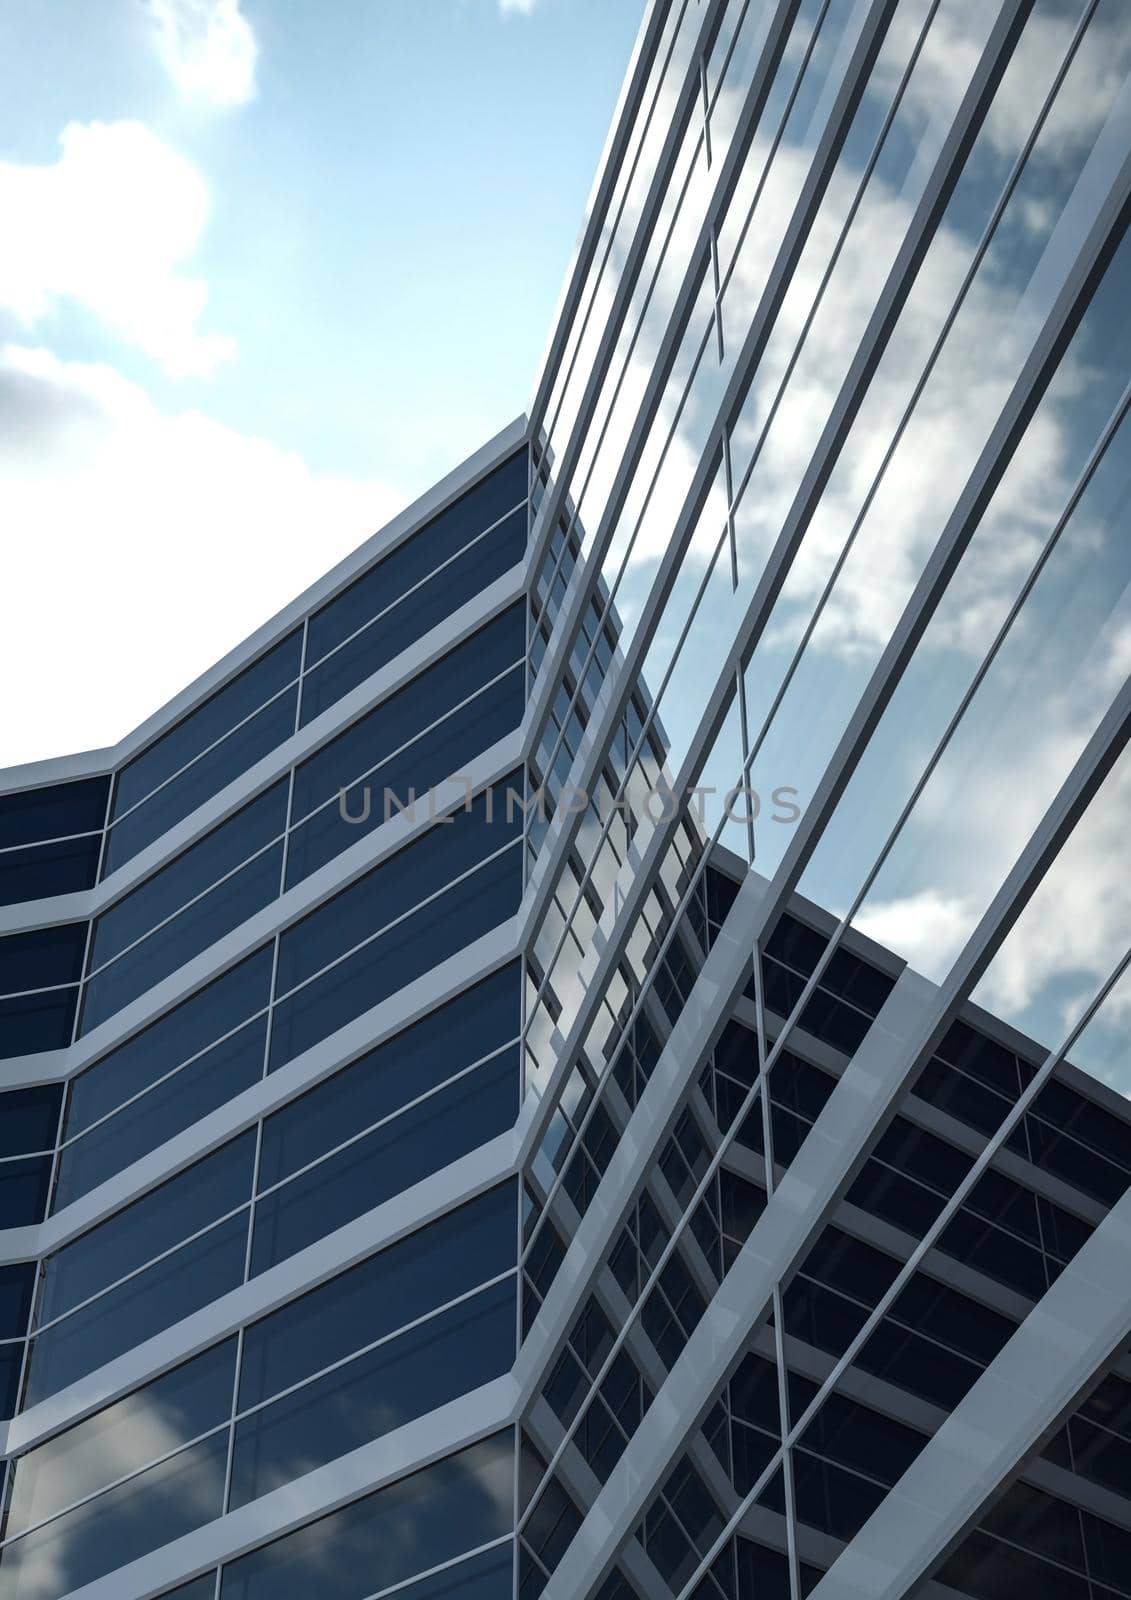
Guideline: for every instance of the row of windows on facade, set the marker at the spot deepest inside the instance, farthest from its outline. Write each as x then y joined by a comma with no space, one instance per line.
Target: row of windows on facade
404,917
406,1331
437,726
392,1119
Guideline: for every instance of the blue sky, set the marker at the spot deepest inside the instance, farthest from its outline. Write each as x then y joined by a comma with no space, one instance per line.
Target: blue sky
272,268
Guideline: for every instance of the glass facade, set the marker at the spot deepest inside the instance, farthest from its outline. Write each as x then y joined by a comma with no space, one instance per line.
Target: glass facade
591,1059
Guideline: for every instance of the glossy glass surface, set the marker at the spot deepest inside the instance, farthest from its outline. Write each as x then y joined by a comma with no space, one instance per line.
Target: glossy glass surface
401,1152
56,812
419,1522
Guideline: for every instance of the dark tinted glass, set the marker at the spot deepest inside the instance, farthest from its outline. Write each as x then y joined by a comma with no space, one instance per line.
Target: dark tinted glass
24,1186
16,1285
164,1045
238,751
37,1022
414,945
202,727
425,607
174,1287
218,853
209,1081
444,752
390,1159
11,1365
437,1263
42,959
417,1523
391,888
29,1119
151,1225
39,870
484,1577
122,1438
54,812
474,1024
192,930
401,1380
200,1589
375,736
417,557
125,1522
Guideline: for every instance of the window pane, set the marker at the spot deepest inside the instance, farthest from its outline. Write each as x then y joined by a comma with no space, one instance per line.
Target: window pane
52,813
37,1022
182,1206
42,959
401,881
39,870
222,908
473,1025
374,1393
383,1163
209,1081
24,1186
418,1523
416,944
218,853
123,1438
119,1526
437,1263
178,1035
172,1288
29,1119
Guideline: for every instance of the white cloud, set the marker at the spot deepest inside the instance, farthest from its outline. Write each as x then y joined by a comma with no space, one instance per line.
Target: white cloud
140,546
107,227
208,49
522,8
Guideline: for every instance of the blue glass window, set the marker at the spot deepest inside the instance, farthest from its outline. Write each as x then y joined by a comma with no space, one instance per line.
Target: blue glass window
170,1289
398,883
416,943
474,1025
416,586
120,1525
208,1081
151,1225
45,960
366,750
17,1284
25,1183
418,1523
42,959
29,1119
410,1148
36,871
215,911
446,1259
402,1379
33,1023
11,1365
179,1035
211,858
57,812
222,738
122,1438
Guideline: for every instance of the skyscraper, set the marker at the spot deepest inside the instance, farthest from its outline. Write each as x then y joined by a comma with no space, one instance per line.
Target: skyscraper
589,1057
